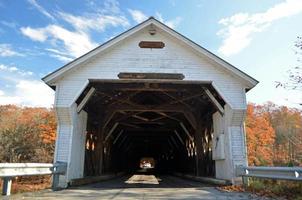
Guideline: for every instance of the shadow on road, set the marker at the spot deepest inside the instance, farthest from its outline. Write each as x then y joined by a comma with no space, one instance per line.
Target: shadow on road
145,180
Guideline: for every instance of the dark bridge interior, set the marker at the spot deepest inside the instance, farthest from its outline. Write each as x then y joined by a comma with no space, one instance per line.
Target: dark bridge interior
169,120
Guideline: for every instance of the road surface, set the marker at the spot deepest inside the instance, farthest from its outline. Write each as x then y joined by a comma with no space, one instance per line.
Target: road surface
139,186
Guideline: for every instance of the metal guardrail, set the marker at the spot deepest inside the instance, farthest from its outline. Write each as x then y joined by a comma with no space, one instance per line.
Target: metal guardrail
10,170
281,173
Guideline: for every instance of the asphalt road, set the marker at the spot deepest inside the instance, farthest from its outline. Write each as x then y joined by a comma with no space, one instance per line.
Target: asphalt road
139,186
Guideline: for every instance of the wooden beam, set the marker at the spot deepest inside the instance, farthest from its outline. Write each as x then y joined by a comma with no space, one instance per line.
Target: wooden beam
213,100
173,141
166,81
191,119
186,130
107,119
142,122
126,116
134,120
123,140
111,131
85,99
144,88
129,125
150,130
178,136
163,117
157,76
181,100
127,142
170,143
138,108
141,118
169,116
117,99
118,136
143,108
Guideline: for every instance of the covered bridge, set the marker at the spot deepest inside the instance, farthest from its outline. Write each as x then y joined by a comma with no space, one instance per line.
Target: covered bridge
150,92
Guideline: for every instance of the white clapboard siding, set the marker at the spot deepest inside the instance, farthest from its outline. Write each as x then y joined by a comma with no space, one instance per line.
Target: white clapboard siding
238,146
174,58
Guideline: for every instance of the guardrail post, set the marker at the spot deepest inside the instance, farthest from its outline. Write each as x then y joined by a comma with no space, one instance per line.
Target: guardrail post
245,181
55,182
7,184
58,169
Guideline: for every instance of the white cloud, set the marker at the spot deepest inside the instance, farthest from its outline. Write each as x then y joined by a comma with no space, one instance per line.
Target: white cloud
137,15
5,100
97,22
77,40
13,69
55,51
239,28
173,23
75,43
62,56
104,7
7,51
40,9
38,34
29,93
111,6
21,88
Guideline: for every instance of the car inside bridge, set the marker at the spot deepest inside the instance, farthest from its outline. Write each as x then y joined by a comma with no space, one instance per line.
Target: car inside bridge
159,117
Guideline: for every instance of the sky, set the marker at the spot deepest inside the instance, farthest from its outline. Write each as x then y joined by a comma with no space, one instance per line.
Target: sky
39,36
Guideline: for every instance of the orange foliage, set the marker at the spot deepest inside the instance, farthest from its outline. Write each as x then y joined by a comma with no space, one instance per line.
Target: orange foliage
260,137
27,134
42,118
274,135
48,129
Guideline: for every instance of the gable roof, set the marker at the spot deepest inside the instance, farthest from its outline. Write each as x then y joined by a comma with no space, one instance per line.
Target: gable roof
52,77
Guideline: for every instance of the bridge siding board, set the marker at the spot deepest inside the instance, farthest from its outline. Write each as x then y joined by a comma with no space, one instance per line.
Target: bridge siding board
170,60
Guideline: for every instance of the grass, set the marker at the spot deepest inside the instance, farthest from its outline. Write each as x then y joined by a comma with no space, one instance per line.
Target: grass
276,188
291,190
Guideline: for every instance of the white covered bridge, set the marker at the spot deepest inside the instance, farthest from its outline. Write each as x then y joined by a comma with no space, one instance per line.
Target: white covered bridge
150,93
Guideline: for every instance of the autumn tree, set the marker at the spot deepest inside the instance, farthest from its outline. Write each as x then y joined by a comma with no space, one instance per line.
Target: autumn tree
27,134
286,149
287,123
260,137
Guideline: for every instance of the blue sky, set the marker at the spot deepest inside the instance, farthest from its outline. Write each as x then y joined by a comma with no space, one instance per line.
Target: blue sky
39,36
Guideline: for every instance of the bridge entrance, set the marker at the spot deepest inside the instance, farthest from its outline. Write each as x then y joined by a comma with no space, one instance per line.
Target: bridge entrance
164,119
